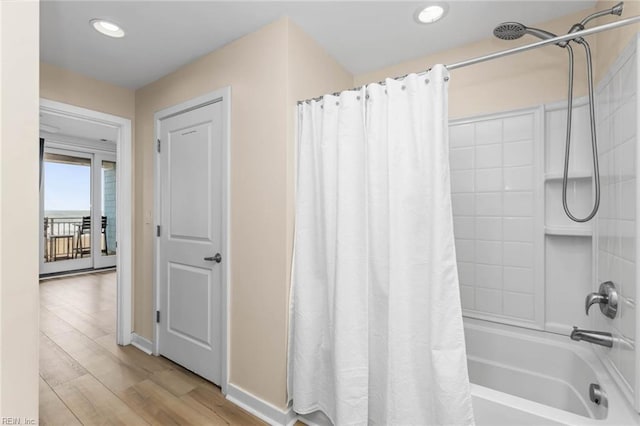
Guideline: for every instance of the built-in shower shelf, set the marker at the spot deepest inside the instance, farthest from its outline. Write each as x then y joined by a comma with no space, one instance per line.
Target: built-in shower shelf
572,175
572,231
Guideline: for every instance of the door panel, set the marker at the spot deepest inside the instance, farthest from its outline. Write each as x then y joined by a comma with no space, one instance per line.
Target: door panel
190,183
189,303
191,219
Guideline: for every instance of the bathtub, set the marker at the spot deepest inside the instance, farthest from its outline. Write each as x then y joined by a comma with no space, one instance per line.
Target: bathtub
527,377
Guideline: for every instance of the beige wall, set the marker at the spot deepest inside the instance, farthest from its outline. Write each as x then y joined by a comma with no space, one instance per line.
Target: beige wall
19,199
517,81
255,67
258,67
268,71
609,44
59,84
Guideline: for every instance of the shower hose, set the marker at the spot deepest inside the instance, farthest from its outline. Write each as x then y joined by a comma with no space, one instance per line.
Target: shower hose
594,143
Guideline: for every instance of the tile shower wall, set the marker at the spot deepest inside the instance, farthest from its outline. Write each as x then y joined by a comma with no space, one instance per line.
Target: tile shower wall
616,224
521,261
494,175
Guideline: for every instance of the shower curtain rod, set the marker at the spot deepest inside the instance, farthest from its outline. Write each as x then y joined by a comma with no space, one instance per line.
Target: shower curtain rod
500,54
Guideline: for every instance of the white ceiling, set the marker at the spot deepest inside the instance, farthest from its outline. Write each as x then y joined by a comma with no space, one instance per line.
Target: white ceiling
53,124
362,35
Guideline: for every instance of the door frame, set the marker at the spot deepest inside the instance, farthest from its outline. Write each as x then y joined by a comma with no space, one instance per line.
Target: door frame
124,206
222,95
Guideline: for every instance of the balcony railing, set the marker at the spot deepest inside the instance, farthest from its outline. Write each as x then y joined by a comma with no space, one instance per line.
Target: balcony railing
60,234
68,238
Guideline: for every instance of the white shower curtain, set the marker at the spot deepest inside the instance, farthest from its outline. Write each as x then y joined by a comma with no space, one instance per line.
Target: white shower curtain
376,331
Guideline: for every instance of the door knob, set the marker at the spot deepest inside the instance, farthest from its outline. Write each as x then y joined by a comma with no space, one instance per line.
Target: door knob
607,297
217,258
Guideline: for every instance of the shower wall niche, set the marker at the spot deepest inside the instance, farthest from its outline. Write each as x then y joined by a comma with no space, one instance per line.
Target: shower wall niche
568,245
521,260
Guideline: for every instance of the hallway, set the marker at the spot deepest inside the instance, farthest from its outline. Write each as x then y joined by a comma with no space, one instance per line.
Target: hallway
86,378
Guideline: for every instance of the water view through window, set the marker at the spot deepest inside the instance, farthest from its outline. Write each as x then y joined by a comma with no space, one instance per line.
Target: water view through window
67,200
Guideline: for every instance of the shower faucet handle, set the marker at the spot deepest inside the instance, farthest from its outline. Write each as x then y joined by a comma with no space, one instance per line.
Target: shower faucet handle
607,298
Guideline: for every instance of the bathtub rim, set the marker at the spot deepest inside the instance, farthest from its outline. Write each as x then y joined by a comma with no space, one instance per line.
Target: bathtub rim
619,410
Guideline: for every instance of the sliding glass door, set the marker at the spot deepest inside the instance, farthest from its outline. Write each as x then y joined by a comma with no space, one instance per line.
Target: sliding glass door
78,208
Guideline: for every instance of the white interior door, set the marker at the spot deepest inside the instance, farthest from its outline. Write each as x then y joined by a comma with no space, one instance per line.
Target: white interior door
190,246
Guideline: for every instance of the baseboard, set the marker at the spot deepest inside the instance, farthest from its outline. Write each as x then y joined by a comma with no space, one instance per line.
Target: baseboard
260,408
145,345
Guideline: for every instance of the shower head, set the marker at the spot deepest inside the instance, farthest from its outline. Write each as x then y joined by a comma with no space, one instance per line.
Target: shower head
515,30
509,30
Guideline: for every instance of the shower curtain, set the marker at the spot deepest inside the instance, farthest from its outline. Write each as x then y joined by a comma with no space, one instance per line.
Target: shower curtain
376,331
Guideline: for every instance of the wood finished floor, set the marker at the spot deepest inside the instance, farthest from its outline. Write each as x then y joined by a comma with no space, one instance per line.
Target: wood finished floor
86,378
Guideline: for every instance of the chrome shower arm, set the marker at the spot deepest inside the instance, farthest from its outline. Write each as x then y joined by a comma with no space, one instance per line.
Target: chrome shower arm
615,10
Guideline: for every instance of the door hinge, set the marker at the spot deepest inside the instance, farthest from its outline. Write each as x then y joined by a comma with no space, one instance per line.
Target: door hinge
157,316
158,145
158,231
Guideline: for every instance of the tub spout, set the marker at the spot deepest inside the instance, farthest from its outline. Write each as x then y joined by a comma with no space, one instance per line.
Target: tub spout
601,338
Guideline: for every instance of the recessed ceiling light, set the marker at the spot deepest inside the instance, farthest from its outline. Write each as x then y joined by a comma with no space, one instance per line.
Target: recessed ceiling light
107,28
431,14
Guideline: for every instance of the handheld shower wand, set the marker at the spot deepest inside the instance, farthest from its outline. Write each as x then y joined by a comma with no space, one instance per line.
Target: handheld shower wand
515,30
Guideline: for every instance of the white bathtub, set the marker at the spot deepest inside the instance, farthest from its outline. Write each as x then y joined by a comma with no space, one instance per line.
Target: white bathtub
527,377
